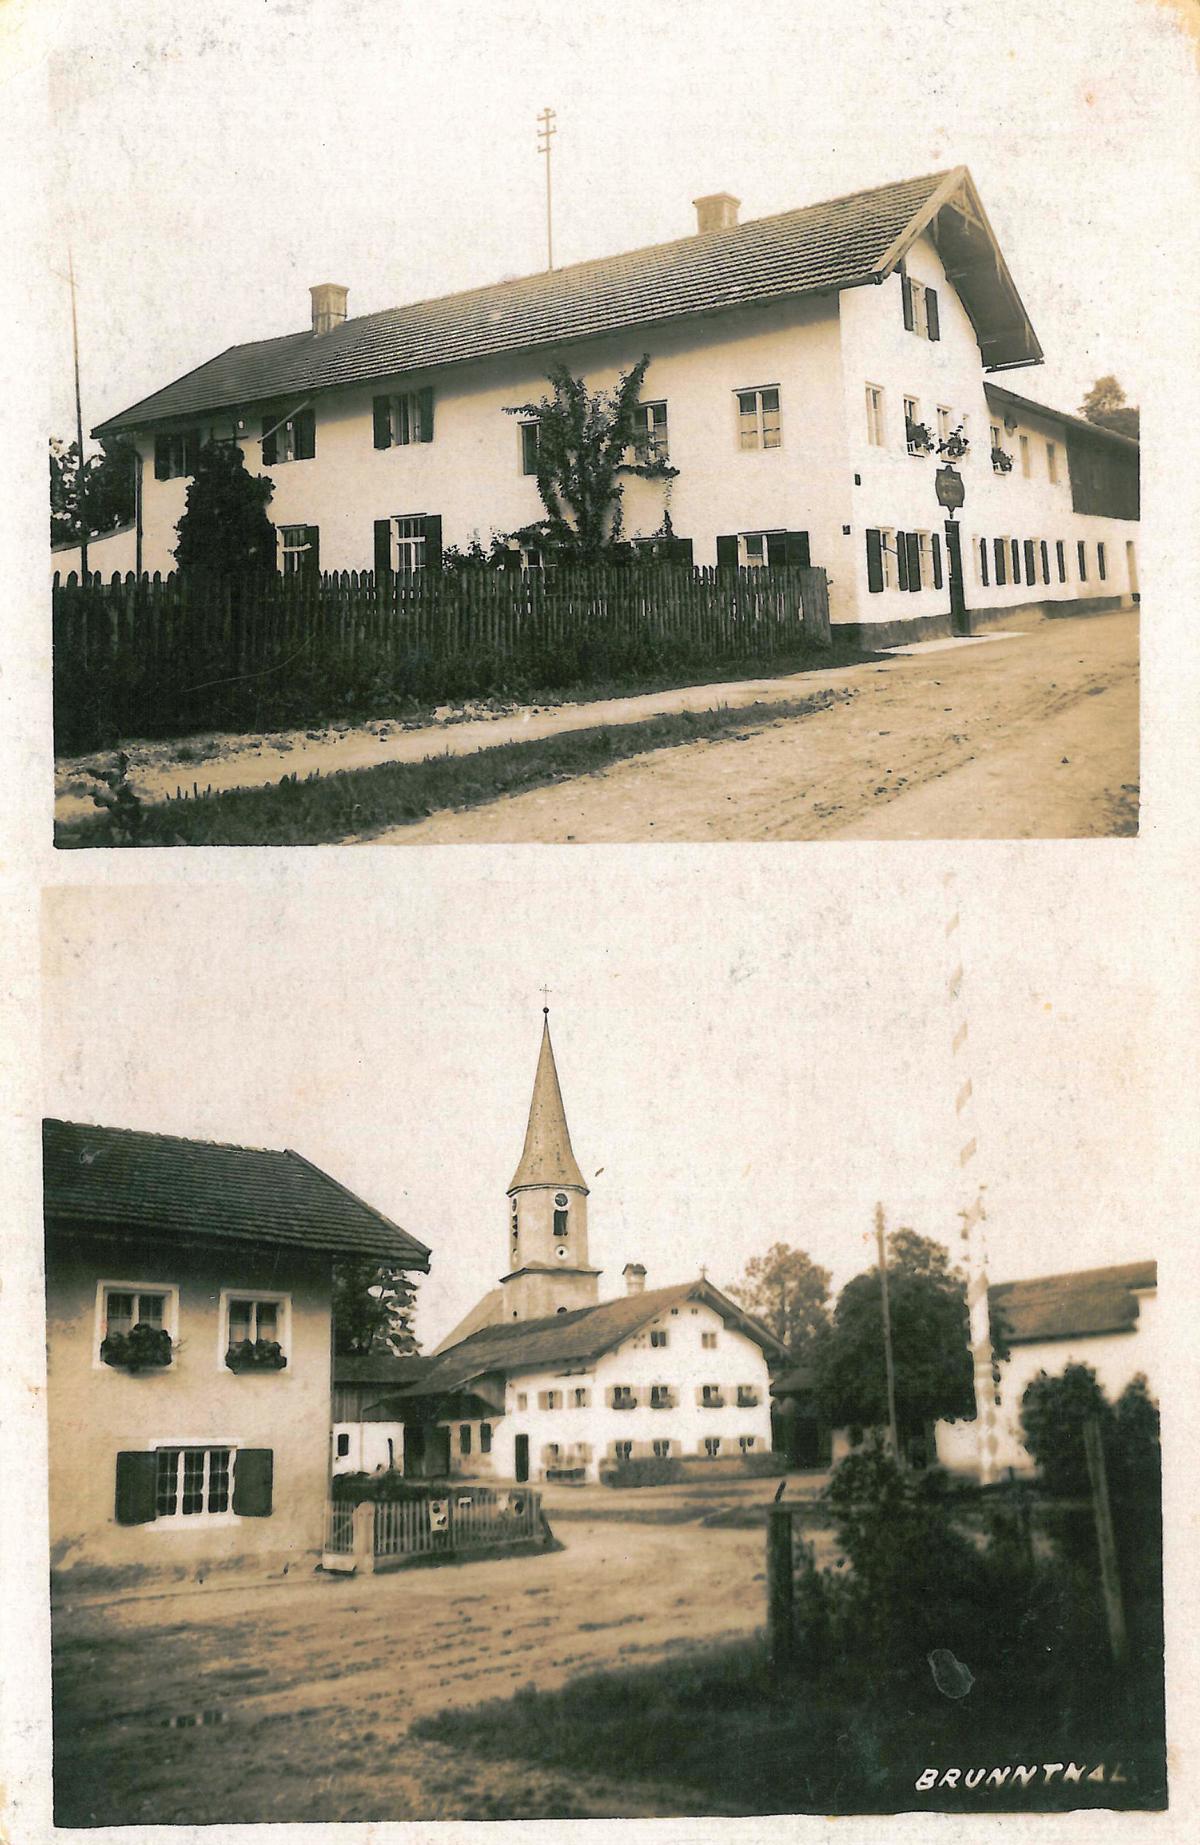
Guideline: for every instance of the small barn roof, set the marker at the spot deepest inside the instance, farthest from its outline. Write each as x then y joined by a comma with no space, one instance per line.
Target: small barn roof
123,1181
1072,1306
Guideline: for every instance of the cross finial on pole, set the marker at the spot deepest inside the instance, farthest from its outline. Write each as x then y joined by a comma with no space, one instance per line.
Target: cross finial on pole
546,129
545,993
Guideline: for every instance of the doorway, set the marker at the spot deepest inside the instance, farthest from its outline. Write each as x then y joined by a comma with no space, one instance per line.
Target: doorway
521,1457
959,622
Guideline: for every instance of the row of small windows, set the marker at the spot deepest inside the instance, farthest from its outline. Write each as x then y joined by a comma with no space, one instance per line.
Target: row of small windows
485,1438
1002,461
402,418
903,560
710,1446
653,1396
1000,560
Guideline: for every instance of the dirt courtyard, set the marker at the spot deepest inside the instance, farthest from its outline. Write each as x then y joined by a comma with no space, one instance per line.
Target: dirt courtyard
301,1693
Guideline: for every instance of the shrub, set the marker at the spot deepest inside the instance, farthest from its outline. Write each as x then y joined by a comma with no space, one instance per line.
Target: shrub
645,1470
143,1348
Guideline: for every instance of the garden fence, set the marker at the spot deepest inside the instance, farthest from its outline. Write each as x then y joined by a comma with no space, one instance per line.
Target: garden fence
153,656
467,1518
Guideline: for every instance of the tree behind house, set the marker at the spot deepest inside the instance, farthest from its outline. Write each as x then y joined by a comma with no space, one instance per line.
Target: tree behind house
109,493
225,534
373,1309
789,1293
1106,406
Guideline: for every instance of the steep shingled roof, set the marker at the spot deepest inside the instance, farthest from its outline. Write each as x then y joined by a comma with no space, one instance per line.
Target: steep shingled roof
576,1338
547,1157
817,249
100,1180
1072,1306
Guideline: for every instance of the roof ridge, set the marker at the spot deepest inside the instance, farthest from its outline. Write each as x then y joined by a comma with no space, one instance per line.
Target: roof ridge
1077,1274
179,1140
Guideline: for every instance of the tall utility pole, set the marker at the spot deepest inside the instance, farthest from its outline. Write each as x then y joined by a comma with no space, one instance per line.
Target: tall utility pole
80,499
546,129
885,1309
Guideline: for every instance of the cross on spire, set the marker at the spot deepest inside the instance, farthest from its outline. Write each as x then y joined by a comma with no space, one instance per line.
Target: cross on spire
545,993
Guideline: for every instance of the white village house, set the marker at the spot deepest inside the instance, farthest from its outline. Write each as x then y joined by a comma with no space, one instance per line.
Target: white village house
543,1379
811,375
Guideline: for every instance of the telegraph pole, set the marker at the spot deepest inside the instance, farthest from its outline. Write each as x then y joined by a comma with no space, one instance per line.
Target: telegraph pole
885,1308
80,500
546,129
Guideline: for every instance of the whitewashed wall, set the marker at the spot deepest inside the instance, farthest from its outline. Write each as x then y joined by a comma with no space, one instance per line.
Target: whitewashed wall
115,551
368,1446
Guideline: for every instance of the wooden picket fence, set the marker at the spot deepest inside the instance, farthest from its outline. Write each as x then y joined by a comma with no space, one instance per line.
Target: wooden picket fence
149,656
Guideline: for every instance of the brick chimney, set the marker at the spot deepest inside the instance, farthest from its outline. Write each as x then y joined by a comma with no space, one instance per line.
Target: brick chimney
328,306
717,211
635,1278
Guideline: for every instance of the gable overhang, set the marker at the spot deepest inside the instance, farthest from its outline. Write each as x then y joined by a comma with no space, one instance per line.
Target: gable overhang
954,219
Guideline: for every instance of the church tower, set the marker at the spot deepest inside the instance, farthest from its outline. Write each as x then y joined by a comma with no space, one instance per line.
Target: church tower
548,1268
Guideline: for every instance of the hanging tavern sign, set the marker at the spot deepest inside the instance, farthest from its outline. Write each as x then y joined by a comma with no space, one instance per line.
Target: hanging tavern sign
950,490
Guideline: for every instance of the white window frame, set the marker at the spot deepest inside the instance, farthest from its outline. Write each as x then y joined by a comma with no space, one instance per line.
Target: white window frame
1052,460
170,1315
1024,452
912,414
404,418
290,552
887,557
191,1521
531,559
397,536
653,439
925,558
708,1340
876,416
756,429
177,468
259,1297
944,424
920,312
658,1337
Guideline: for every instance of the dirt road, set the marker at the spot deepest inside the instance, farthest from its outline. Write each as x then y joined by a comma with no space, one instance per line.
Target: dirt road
1033,736
309,1687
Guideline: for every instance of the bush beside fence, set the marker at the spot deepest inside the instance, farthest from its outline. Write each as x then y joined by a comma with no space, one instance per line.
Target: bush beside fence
151,656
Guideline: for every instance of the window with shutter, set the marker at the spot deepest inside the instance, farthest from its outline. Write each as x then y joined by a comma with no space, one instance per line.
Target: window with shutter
727,551
902,560
1101,562
1030,564
433,541
776,548
383,549
1000,552
1082,561
933,324
1045,562
304,435
530,436
983,562
1015,548
137,1475
381,421
425,412
913,542
1060,553
907,297
270,441
936,547
796,548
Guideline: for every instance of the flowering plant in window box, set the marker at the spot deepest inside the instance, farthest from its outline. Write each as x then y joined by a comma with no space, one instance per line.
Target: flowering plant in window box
142,1348
956,444
1002,461
255,1355
747,1398
918,436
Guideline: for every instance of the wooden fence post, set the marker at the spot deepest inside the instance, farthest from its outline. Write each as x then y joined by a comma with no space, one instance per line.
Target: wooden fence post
364,1537
1110,1580
781,1632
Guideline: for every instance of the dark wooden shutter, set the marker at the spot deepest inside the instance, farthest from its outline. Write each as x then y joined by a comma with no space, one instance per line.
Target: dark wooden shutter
272,560
983,562
906,286
191,451
935,545
383,549
797,548
727,552
312,537
1045,562
1030,562
902,559
425,412
269,449
874,562
137,1487
1060,553
1082,561
381,417
432,525
998,548
914,560
1100,560
931,312
776,549
253,1473
680,552
305,435
162,457
1016,560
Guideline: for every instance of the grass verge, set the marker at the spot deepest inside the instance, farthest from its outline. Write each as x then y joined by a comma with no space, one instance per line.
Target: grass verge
326,809
846,1739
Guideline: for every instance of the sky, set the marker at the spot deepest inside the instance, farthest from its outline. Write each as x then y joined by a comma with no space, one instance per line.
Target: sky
752,1052
207,164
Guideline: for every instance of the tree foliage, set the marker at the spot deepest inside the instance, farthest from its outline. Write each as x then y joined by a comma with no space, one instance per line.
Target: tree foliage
582,442
373,1309
789,1293
930,1342
225,533
109,495
1054,1411
1106,406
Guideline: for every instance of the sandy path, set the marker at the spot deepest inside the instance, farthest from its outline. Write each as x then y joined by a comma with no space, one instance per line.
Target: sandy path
315,1684
942,743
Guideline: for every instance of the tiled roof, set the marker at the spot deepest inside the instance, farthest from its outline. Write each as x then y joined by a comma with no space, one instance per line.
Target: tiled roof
1001,398
100,1179
1094,1300
579,1337
547,1157
816,249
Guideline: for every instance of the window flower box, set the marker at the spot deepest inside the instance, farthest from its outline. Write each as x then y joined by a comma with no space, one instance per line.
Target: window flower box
662,1399
624,1403
255,1355
1002,461
713,1401
747,1399
142,1348
956,444
919,438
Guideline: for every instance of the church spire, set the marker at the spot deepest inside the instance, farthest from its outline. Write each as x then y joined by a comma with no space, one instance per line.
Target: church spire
547,1157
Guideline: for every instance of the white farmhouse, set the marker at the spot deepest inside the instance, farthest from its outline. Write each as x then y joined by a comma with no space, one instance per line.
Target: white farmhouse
543,1378
1102,1317
812,375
